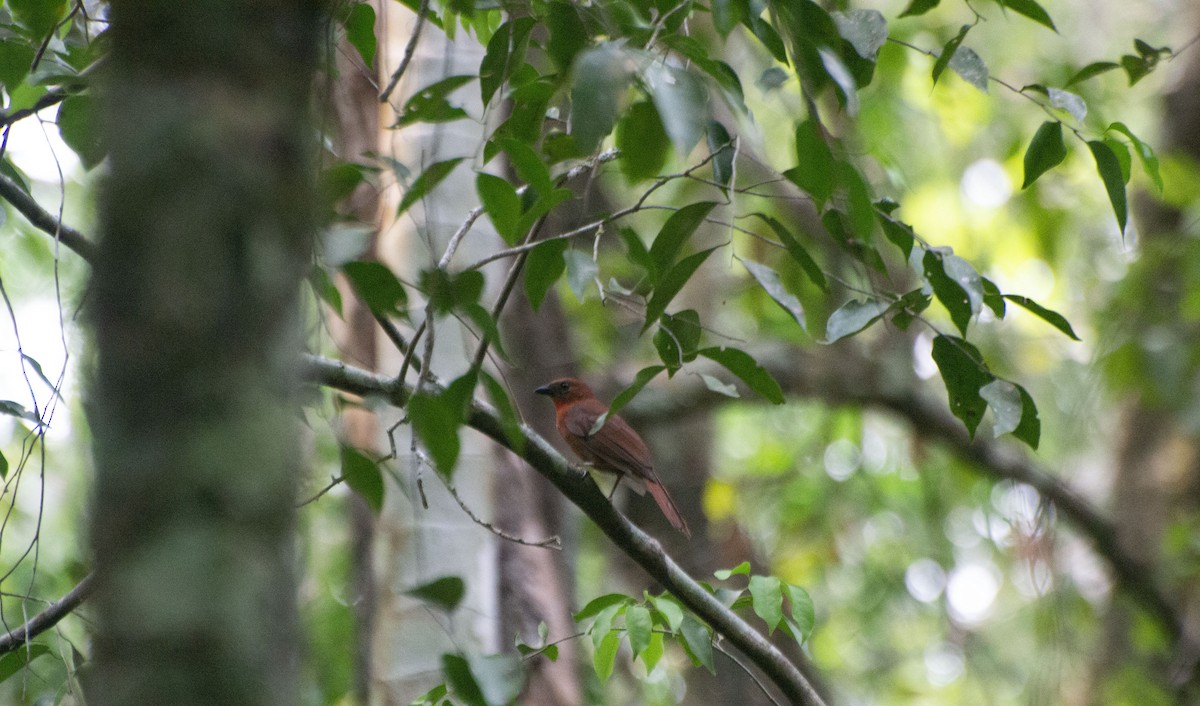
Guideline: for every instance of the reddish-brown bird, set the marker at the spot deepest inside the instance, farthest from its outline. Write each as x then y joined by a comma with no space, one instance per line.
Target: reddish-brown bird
615,447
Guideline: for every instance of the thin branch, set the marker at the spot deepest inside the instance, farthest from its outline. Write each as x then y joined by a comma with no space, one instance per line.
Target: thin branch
409,50
583,492
333,482
753,677
48,618
553,542
43,220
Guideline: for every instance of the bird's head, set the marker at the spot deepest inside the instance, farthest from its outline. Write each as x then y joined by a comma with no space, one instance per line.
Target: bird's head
566,390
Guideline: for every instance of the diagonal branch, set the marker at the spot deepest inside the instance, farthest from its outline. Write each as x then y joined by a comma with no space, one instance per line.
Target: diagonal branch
639,546
48,618
43,220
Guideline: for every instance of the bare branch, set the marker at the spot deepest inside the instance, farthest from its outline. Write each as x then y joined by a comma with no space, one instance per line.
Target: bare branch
48,618
43,220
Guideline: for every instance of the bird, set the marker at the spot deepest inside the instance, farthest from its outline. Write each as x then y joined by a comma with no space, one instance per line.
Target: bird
614,448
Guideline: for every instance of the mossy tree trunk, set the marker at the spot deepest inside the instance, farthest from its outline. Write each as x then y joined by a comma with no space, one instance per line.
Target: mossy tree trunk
206,230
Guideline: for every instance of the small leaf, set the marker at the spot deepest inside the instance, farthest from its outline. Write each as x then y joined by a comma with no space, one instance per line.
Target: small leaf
457,673
1030,428
1145,155
852,317
605,655
643,377
639,627
543,267
670,610
430,104
445,593
13,662
769,280
670,283
964,373
1053,318
17,410
377,286
1005,401
720,145
1032,10
1110,173
653,652
642,141
80,129
598,604
957,285
866,30
719,387
425,183
797,251
1045,152
436,418
363,475
697,641
1093,69
948,51
814,170
568,34
745,367
803,615
433,697
993,299
899,233
500,677
970,67
528,165
1065,100
500,201
677,337
3,467
360,31
505,52
682,102
674,234
767,594
919,7
843,79
742,569
728,14
581,272
509,419
601,77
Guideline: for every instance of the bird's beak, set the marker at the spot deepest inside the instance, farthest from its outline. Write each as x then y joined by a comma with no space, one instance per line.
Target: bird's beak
543,390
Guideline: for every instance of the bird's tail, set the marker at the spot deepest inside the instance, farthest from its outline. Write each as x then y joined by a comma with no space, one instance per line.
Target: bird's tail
667,505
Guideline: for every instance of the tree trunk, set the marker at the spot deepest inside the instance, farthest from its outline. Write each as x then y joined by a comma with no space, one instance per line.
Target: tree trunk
206,230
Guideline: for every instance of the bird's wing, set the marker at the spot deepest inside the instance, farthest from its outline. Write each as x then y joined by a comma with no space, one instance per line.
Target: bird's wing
619,446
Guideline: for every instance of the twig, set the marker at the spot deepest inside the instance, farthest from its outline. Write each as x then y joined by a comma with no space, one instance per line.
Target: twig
553,542
409,50
48,618
757,682
333,482
41,219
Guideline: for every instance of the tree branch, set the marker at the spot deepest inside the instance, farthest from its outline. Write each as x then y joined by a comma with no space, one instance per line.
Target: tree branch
43,220
639,546
48,618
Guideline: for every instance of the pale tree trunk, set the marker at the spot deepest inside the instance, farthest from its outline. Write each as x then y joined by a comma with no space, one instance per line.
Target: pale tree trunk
205,234
1157,481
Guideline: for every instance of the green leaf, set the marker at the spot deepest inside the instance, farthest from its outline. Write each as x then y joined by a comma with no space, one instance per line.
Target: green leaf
1053,318
866,30
720,146
360,31
78,126
644,376
486,325
852,317
1045,151
425,183
1110,173
653,652
3,467
964,373
993,299
528,165
505,53
568,35
1030,428
14,409
447,292
697,642
767,595
677,337
16,57
742,569
433,697
1093,69
543,205
670,610
431,104
719,387
728,14
769,280
605,655
741,364
858,200
1145,155
948,51
669,284
797,251
600,603
15,661
602,77
898,232
957,285
919,7
545,264
642,141
814,171
502,204
1065,100
639,627
843,79
38,17
682,102
445,593
970,67
1032,10
803,614
674,234
377,286
363,475
457,673
581,272
436,418
1013,411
